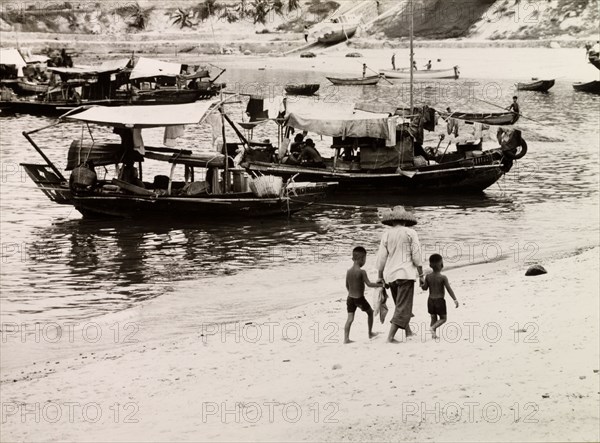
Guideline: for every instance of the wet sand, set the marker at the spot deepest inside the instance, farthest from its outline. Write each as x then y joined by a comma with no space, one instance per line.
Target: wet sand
517,361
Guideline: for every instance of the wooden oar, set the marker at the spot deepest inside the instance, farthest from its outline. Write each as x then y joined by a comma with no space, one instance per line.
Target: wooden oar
503,108
381,75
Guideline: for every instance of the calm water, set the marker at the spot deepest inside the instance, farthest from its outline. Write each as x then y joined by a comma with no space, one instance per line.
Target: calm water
57,266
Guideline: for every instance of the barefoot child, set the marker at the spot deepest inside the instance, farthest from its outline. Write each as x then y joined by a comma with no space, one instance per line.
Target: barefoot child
436,282
356,279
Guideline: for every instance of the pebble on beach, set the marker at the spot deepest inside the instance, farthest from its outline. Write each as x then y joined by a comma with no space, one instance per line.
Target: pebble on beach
536,270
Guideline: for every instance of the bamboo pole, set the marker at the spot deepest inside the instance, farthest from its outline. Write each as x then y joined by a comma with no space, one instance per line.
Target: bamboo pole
412,55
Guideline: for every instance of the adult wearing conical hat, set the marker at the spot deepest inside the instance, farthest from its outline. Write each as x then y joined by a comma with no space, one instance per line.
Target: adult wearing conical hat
399,264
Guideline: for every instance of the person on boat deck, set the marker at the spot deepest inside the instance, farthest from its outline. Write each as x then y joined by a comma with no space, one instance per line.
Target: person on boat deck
310,155
394,62
415,66
74,96
364,70
428,65
295,149
306,33
514,106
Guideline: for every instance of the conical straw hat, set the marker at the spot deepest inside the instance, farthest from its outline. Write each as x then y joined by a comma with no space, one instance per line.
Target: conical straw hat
397,213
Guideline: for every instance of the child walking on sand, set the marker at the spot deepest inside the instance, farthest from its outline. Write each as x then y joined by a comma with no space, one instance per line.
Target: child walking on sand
436,282
356,280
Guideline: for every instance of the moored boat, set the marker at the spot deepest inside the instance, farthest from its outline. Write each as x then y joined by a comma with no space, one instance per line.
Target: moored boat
367,154
210,187
536,85
302,89
26,87
424,74
355,81
335,29
488,118
594,59
592,87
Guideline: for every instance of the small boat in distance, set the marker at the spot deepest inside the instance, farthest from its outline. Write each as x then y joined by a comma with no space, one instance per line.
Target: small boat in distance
592,87
302,89
594,59
488,118
355,81
536,85
423,74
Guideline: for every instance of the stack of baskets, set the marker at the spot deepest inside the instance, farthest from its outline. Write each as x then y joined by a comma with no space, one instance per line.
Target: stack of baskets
267,186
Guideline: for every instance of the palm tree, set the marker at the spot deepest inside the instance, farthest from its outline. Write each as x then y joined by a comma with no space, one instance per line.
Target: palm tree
182,18
260,9
139,16
207,9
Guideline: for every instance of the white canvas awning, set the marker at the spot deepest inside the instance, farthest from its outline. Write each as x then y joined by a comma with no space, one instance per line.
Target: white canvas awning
143,116
11,57
147,67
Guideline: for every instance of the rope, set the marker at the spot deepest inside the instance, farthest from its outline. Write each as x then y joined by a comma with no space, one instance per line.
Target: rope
335,205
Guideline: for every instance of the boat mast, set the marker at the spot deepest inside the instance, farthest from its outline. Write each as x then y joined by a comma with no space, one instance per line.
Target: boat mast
226,178
411,11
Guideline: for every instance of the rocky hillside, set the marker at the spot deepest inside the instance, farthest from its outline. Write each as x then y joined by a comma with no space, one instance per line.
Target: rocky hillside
205,19
491,19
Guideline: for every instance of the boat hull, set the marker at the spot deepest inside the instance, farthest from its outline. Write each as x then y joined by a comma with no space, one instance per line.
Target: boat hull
305,89
187,208
338,35
490,118
168,96
50,109
27,88
591,87
595,60
539,86
366,81
470,179
431,74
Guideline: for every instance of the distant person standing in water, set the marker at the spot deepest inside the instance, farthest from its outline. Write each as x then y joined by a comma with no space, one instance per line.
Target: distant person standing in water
394,62
364,70
514,106
306,33
415,65
428,65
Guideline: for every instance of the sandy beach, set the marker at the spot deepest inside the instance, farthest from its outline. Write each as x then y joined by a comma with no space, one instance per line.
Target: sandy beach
518,359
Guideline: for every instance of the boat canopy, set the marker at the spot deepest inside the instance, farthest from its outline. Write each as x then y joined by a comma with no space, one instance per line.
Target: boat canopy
143,116
359,124
108,67
147,67
11,57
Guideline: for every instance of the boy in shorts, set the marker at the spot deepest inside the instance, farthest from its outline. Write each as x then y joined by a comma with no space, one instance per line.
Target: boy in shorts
436,282
356,280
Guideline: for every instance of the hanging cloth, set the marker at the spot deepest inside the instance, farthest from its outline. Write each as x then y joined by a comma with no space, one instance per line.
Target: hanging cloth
172,133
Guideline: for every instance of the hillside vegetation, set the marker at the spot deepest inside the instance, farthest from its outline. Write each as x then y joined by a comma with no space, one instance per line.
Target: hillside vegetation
433,19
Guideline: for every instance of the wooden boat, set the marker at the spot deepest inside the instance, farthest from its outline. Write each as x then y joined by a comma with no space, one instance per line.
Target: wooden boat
52,108
399,168
592,87
425,74
488,118
355,81
26,87
302,89
335,30
211,189
594,59
536,85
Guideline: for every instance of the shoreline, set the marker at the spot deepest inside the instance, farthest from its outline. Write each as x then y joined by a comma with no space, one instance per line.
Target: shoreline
191,379
259,44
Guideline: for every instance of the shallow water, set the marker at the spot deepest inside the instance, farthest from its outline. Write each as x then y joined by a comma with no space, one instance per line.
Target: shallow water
57,266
